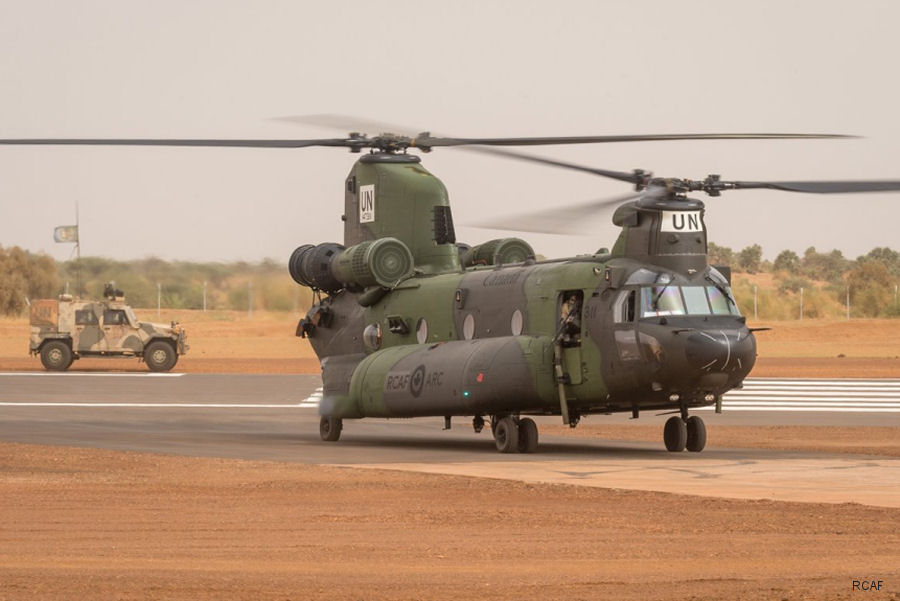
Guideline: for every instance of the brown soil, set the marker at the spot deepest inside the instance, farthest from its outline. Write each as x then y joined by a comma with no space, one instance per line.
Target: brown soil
87,524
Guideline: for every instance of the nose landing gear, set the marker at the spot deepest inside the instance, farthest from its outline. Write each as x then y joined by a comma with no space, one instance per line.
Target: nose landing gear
680,434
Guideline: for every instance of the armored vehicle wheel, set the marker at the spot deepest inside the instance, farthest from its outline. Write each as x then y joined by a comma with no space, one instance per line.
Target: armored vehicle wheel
506,435
160,356
696,434
330,428
528,435
56,356
675,434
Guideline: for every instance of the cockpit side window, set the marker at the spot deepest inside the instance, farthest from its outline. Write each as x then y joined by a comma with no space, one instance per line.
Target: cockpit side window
624,307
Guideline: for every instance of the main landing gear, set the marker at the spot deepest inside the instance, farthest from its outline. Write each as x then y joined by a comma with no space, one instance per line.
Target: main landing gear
682,433
513,434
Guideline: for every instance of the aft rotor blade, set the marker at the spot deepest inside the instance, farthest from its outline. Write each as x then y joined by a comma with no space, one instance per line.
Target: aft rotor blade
347,123
825,187
558,220
171,142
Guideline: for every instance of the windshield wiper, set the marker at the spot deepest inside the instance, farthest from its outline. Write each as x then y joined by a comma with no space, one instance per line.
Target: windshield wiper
659,294
721,289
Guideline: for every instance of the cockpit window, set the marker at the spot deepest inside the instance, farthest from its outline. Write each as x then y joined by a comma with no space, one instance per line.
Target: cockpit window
722,303
695,300
659,301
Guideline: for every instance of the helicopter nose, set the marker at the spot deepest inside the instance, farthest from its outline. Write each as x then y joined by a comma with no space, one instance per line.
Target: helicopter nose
720,350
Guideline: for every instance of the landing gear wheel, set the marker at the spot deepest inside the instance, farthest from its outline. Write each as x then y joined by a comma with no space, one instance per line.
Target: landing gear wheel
330,428
506,435
528,435
675,434
160,356
696,434
56,356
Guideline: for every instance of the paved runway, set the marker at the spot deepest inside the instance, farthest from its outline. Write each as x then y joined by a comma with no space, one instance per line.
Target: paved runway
275,417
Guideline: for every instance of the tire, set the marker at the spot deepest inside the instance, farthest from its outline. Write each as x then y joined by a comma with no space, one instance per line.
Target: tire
675,434
696,434
506,435
160,356
56,356
528,435
330,428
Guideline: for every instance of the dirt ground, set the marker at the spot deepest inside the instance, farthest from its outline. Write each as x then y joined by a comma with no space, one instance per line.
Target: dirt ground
90,524
87,524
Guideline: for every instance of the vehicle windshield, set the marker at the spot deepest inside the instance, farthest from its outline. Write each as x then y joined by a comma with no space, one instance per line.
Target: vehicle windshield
132,319
657,301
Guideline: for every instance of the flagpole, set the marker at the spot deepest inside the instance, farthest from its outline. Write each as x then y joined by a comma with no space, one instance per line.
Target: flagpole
78,252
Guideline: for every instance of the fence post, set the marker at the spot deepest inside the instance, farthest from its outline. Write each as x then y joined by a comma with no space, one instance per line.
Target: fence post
249,298
158,299
848,302
204,296
801,303
755,301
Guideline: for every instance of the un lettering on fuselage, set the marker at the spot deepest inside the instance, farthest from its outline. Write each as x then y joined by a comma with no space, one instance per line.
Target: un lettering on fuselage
367,203
681,221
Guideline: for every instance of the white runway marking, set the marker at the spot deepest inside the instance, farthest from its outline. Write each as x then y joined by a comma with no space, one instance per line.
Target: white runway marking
70,374
165,405
828,395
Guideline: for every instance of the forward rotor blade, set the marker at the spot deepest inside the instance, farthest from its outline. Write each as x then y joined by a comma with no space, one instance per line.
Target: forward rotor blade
825,187
426,141
633,177
558,220
162,142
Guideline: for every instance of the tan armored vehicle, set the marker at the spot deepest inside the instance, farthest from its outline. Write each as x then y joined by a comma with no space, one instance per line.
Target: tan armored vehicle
65,329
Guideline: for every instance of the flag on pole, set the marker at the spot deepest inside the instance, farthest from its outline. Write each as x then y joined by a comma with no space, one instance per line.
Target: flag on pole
66,233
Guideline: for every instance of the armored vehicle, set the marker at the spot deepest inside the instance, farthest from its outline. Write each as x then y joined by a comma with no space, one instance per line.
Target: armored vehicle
64,329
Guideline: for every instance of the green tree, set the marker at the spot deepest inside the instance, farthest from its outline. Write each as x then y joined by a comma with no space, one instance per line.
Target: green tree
750,258
24,275
871,289
719,255
787,260
829,267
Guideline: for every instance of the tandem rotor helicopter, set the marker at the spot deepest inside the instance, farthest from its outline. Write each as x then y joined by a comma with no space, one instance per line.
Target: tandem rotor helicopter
407,322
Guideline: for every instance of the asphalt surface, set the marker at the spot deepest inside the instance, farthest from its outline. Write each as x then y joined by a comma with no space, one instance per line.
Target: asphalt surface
275,417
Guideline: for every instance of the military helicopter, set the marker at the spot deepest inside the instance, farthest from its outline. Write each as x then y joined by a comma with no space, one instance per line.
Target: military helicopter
409,323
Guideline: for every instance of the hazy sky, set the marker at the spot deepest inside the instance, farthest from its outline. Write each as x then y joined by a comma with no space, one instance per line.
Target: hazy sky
218,69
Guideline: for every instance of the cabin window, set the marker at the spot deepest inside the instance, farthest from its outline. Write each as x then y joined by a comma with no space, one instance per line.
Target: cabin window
421,331
114,317
516,323
372,337
469,327
85,317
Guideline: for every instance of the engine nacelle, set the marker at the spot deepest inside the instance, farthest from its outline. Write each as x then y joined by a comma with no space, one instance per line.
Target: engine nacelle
331,267
500,251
